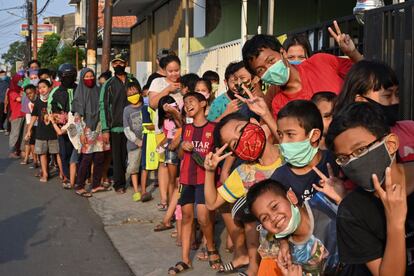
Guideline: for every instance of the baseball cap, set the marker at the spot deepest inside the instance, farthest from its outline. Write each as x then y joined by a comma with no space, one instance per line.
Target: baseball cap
119,57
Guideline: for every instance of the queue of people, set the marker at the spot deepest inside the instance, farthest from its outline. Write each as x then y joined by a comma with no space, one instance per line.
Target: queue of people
303,157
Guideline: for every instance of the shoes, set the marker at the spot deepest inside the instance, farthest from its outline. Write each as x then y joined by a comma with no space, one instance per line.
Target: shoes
136,196
2,130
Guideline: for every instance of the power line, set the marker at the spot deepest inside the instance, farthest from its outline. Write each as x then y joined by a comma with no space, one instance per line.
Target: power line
12,8
44,7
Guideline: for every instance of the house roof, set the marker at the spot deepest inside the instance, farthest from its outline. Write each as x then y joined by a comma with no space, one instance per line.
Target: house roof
117,21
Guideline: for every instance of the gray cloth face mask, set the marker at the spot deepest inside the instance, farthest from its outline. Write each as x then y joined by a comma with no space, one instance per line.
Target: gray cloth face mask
360,169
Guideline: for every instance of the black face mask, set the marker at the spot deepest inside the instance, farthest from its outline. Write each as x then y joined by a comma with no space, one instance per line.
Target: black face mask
119,70
231,95
68,82
391,112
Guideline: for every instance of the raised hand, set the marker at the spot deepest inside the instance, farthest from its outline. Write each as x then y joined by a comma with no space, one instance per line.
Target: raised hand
394,198
345,43
232,107
255,103
213,159
331,186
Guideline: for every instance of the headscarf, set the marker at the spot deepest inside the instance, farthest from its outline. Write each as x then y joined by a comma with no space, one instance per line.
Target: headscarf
14,84
86,102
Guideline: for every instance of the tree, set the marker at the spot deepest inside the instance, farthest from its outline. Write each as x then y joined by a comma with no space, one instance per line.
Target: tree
48,51
67,54
17,52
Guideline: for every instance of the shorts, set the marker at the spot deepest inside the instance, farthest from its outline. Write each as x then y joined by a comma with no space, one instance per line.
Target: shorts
74,157
171,156
191,194
134,161
46,146
32,140
240,212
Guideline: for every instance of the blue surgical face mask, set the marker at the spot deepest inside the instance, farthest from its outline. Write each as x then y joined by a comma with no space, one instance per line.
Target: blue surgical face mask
146,100
35,82
293,223
299,154
277,74
295,62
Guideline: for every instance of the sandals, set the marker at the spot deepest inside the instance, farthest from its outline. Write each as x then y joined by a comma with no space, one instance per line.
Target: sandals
229,268
83,193
162,206
217,261
43,179
179,267
100,189
202,254
66,185
146,197
162,227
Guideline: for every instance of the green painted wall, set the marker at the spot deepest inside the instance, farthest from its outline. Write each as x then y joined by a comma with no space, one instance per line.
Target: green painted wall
289,15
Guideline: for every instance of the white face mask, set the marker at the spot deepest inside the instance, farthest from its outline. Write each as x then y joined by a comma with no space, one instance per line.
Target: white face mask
44,97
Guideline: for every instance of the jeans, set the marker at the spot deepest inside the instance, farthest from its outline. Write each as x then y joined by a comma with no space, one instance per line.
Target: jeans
119,158
16,134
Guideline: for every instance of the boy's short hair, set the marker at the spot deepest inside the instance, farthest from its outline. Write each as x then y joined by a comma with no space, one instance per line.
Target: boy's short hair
48,84
133,83
211,76
106,75
328,96
30,86
358,114
262,187
253,47
200,97
232,68
43,71
168,59
189,80
305,112
233,116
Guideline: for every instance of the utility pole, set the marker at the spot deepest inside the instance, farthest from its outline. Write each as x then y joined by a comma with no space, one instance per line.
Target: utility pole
106,45
29,31
92,32
34,29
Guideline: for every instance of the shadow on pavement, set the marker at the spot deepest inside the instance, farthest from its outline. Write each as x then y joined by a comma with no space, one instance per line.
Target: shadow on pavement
26,224
4,164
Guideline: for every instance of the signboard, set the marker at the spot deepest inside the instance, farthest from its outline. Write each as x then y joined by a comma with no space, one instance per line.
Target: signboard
42,29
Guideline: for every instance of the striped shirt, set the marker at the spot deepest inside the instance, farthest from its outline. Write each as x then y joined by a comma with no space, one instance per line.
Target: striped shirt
202,139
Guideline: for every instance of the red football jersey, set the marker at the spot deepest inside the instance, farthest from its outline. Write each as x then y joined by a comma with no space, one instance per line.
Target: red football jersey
202,139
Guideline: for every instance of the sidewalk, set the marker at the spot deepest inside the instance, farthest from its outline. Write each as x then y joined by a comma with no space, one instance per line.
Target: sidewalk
130,226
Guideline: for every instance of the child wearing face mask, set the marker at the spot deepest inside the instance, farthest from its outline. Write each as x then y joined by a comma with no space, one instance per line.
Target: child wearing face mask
300,126
27,107
375,227
294,228
251,143
204,87
133,129
46,138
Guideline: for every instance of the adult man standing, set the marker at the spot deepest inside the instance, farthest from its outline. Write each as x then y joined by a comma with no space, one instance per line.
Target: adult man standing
112,101
4,85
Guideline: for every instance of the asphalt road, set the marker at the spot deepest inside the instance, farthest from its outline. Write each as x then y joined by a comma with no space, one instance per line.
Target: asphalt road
45,230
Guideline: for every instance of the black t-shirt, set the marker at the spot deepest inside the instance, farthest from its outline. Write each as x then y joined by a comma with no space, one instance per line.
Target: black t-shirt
44,130
302,184
362,232
152,77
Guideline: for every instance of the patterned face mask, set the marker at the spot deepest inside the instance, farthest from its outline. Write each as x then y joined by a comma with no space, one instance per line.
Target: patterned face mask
251,143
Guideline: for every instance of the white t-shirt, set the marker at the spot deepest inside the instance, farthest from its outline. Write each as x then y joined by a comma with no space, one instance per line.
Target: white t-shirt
157,85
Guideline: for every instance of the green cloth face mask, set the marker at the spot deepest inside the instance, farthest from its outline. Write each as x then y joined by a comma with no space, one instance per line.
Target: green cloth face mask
299,154
277,74
293,223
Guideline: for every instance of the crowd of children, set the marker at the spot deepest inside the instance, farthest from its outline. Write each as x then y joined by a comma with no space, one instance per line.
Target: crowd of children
303,157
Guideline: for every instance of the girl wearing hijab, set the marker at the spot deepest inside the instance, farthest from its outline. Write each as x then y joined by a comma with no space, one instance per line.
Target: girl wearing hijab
86,108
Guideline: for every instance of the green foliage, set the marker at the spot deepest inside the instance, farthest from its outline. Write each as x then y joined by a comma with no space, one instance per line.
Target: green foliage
67,54
47,52
52,55
16,52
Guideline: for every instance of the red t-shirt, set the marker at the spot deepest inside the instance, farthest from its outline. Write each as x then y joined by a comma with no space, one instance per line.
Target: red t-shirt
320,72
202,139
15,106
405,133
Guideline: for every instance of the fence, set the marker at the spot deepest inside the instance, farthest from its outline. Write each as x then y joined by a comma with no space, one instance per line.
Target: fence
215,58
389,33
